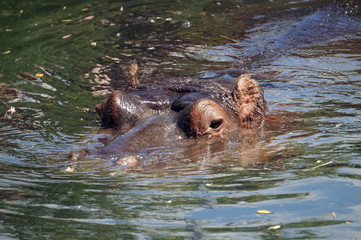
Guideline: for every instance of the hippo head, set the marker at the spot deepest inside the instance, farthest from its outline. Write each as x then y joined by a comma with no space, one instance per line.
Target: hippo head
201,109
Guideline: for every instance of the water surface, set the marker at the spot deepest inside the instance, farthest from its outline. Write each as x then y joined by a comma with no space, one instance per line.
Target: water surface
310,54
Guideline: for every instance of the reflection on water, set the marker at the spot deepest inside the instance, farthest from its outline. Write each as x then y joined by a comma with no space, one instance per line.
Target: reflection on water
308,55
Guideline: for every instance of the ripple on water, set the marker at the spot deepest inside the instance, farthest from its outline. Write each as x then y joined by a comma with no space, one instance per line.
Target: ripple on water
318,83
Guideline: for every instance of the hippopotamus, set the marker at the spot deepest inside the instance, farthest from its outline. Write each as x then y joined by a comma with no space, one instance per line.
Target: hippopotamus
157,114
180,113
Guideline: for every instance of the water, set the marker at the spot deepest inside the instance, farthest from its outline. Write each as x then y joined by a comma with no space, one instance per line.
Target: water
309,51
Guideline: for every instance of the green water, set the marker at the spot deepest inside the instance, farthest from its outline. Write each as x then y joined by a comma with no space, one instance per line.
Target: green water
313,76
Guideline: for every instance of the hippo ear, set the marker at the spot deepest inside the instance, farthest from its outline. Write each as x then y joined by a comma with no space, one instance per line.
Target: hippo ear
131,76
249,98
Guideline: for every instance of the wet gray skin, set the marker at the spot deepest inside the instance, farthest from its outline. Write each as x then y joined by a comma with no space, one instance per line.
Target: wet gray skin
179,112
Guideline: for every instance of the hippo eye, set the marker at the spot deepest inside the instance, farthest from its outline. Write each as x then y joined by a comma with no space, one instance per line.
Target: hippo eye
216,123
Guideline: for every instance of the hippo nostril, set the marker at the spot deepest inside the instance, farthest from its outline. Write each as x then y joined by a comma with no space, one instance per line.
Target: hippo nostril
216,123
207,117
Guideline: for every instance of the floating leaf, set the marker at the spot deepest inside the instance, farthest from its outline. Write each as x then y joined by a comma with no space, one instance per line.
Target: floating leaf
264,211
274,227
6,52
94,44
84,19
113,58
66,36
209,184
39,75
69,169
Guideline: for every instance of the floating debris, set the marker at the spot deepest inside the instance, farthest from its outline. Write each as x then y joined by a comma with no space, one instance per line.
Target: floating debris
113,58
6,52
264,211
88,18
321,165
274,227
233,40
66,36
69,169
39,75
104,21
11,110
94,44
